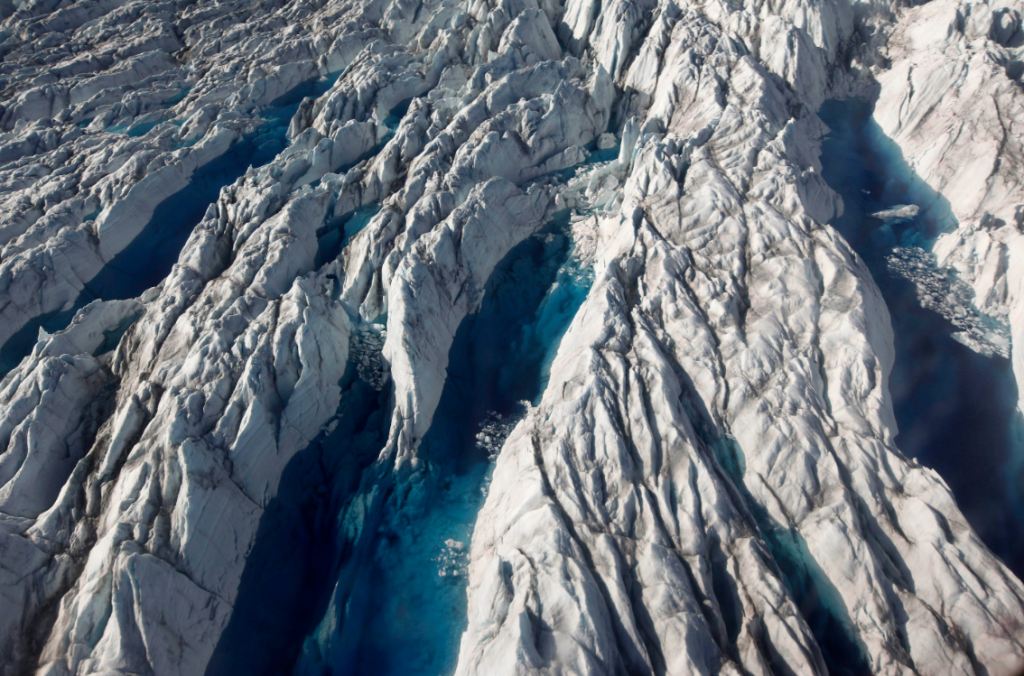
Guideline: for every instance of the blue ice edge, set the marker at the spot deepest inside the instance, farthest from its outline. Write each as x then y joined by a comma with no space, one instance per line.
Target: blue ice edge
956,409
337,232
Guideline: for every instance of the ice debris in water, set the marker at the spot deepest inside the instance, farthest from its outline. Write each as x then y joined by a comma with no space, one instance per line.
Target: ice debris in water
453,560
495,429
365,349
942,291
898,213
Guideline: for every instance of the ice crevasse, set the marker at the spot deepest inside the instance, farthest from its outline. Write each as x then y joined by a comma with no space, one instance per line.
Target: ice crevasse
303,303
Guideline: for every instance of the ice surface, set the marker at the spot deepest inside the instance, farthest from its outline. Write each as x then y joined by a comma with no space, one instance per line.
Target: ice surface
509,337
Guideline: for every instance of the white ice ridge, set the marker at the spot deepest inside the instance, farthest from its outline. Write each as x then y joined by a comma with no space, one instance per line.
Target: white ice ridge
716,437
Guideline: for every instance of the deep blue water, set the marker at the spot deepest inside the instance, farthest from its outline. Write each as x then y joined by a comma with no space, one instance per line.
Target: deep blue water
402,604
955,408
335,235
149,258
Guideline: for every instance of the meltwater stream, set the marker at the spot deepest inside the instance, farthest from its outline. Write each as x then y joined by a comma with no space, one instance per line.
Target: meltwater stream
956,409
399,608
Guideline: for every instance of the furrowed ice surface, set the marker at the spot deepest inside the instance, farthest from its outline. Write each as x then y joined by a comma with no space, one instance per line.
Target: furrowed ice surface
245,460
147,259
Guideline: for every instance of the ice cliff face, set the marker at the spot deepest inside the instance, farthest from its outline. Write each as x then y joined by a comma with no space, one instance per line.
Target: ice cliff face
708,481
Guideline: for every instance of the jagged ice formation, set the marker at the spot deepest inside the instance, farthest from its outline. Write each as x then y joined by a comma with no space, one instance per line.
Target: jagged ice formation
213,212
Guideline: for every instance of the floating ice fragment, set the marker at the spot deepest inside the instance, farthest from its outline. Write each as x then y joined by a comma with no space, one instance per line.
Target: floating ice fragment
898,214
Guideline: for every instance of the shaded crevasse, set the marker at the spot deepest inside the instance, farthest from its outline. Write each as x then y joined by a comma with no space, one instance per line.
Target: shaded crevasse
405,610
813,593
145,259
951,104
334,237
293,563
902,217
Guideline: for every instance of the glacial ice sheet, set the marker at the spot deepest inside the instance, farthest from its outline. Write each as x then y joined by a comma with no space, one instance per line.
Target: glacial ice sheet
716,283
952,384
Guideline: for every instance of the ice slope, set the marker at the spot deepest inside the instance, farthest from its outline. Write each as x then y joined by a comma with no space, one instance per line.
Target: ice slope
708,482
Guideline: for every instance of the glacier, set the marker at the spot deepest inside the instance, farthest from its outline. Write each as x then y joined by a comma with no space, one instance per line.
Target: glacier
511,337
